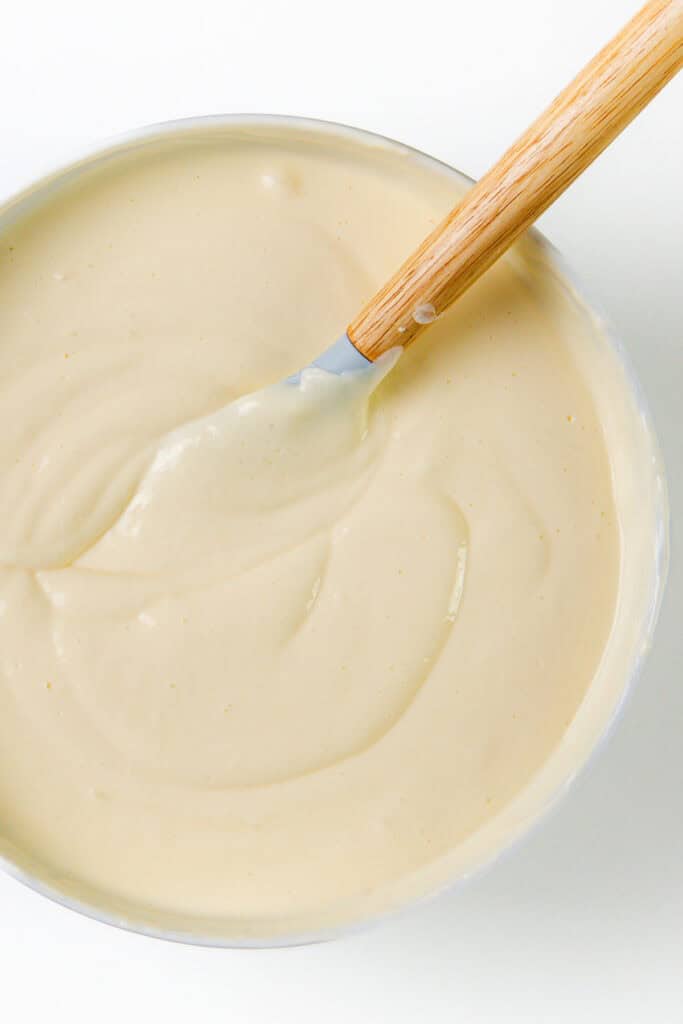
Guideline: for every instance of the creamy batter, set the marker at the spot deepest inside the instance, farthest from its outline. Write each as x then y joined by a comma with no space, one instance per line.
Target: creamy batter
272,657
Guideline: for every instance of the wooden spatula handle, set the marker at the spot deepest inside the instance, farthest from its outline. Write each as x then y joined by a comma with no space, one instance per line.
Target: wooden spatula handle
577,126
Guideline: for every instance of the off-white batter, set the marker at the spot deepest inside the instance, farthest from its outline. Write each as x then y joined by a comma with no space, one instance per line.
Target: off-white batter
265,664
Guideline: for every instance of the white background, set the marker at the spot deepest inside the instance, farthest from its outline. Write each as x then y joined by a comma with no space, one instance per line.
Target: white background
585,920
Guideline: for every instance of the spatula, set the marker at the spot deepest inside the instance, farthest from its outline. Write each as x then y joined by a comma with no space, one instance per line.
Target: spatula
551,153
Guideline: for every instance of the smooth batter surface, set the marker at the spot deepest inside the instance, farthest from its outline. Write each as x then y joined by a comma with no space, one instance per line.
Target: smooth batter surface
262,662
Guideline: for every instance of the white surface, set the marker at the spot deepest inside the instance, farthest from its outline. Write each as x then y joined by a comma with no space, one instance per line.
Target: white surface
585,920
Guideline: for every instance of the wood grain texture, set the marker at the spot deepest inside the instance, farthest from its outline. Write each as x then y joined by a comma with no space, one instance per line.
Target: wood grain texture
558,146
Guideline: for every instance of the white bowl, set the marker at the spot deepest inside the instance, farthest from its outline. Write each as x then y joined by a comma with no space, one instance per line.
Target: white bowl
644,565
